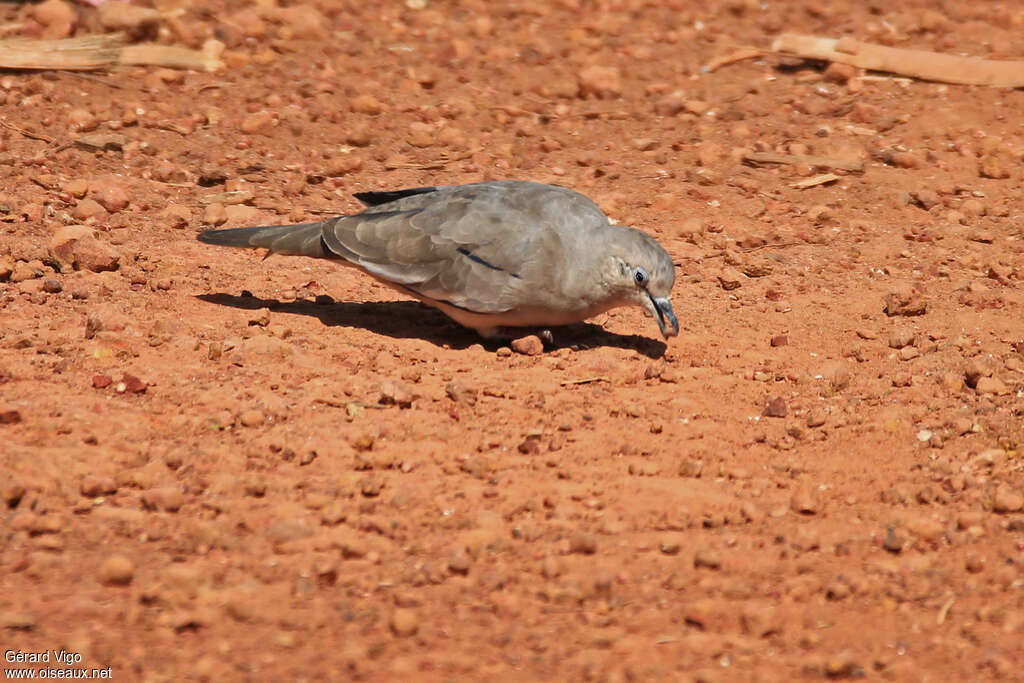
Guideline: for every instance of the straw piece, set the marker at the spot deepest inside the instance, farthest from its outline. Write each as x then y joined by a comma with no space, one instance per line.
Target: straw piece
922,64
71,54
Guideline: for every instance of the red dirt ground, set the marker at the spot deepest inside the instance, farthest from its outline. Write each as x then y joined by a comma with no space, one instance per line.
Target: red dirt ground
317,480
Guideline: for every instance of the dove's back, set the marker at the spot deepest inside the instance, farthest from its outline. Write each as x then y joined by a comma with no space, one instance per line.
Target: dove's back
486,247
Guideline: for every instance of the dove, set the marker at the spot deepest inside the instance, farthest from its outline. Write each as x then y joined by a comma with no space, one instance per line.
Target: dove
491,255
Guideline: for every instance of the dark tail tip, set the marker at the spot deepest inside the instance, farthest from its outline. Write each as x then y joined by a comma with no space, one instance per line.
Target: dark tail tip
232,237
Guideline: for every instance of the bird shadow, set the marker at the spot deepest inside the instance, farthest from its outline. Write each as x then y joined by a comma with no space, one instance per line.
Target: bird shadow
413,320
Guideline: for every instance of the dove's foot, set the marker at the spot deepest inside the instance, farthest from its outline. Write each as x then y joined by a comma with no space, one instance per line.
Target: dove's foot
545,334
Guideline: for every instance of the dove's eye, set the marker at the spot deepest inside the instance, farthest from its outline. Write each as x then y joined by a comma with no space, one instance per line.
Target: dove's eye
641,276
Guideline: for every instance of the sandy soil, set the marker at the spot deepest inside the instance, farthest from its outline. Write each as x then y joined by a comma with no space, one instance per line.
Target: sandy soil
218,467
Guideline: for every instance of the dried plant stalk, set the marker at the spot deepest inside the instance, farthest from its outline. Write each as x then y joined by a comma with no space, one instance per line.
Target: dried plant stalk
70,54
168,56
100,52
923,64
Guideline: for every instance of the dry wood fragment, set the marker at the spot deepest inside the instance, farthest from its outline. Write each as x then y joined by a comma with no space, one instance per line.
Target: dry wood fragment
27,133
755,158
814,181
922,64
732,58
88,53
169,56
584,380
71,54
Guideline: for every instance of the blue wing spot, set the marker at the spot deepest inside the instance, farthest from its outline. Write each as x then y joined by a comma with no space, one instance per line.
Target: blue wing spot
473,257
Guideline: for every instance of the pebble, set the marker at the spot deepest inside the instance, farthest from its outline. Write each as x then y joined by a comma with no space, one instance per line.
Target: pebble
583,544
902,379
93,486
257,122
806,499
22,272
691,468
529,446
101,381
366,104
252,418
775,407
670,547
77,246
116,570
892,543
111,195
57,17
421,134
52,286
707,559
839,73
901,337
926,199
215,214
130,384
88,209
974,371
842,665
909,353
779,340
530,345
405,622
730,278
697,108
817,416
1006,500
992,166
991,385
460,392
176,216
371,486
601,81
342,164
460,562
132,19
12,492
927,528
974,563
907,160
904,300
691,228
973,208
302,22
242,215
363,135
395,393
167,499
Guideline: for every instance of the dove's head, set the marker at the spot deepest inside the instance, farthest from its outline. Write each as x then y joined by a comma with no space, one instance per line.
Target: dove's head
644,275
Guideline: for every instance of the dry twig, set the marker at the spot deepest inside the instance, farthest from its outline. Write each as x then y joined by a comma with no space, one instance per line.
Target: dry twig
88,53
922,64
815,181
810,160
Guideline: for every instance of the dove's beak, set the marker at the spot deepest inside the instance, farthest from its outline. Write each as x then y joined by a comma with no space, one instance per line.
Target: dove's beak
661,307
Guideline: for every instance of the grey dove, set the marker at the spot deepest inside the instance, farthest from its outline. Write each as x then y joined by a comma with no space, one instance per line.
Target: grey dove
488,255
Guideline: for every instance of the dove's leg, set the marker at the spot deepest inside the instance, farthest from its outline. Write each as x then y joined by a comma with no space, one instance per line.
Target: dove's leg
516,333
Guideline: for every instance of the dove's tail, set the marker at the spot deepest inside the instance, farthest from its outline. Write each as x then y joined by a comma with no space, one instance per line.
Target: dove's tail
296,240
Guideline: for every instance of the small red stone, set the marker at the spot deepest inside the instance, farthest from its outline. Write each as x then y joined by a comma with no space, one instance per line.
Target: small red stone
133,384
775,407
101,381
529,447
